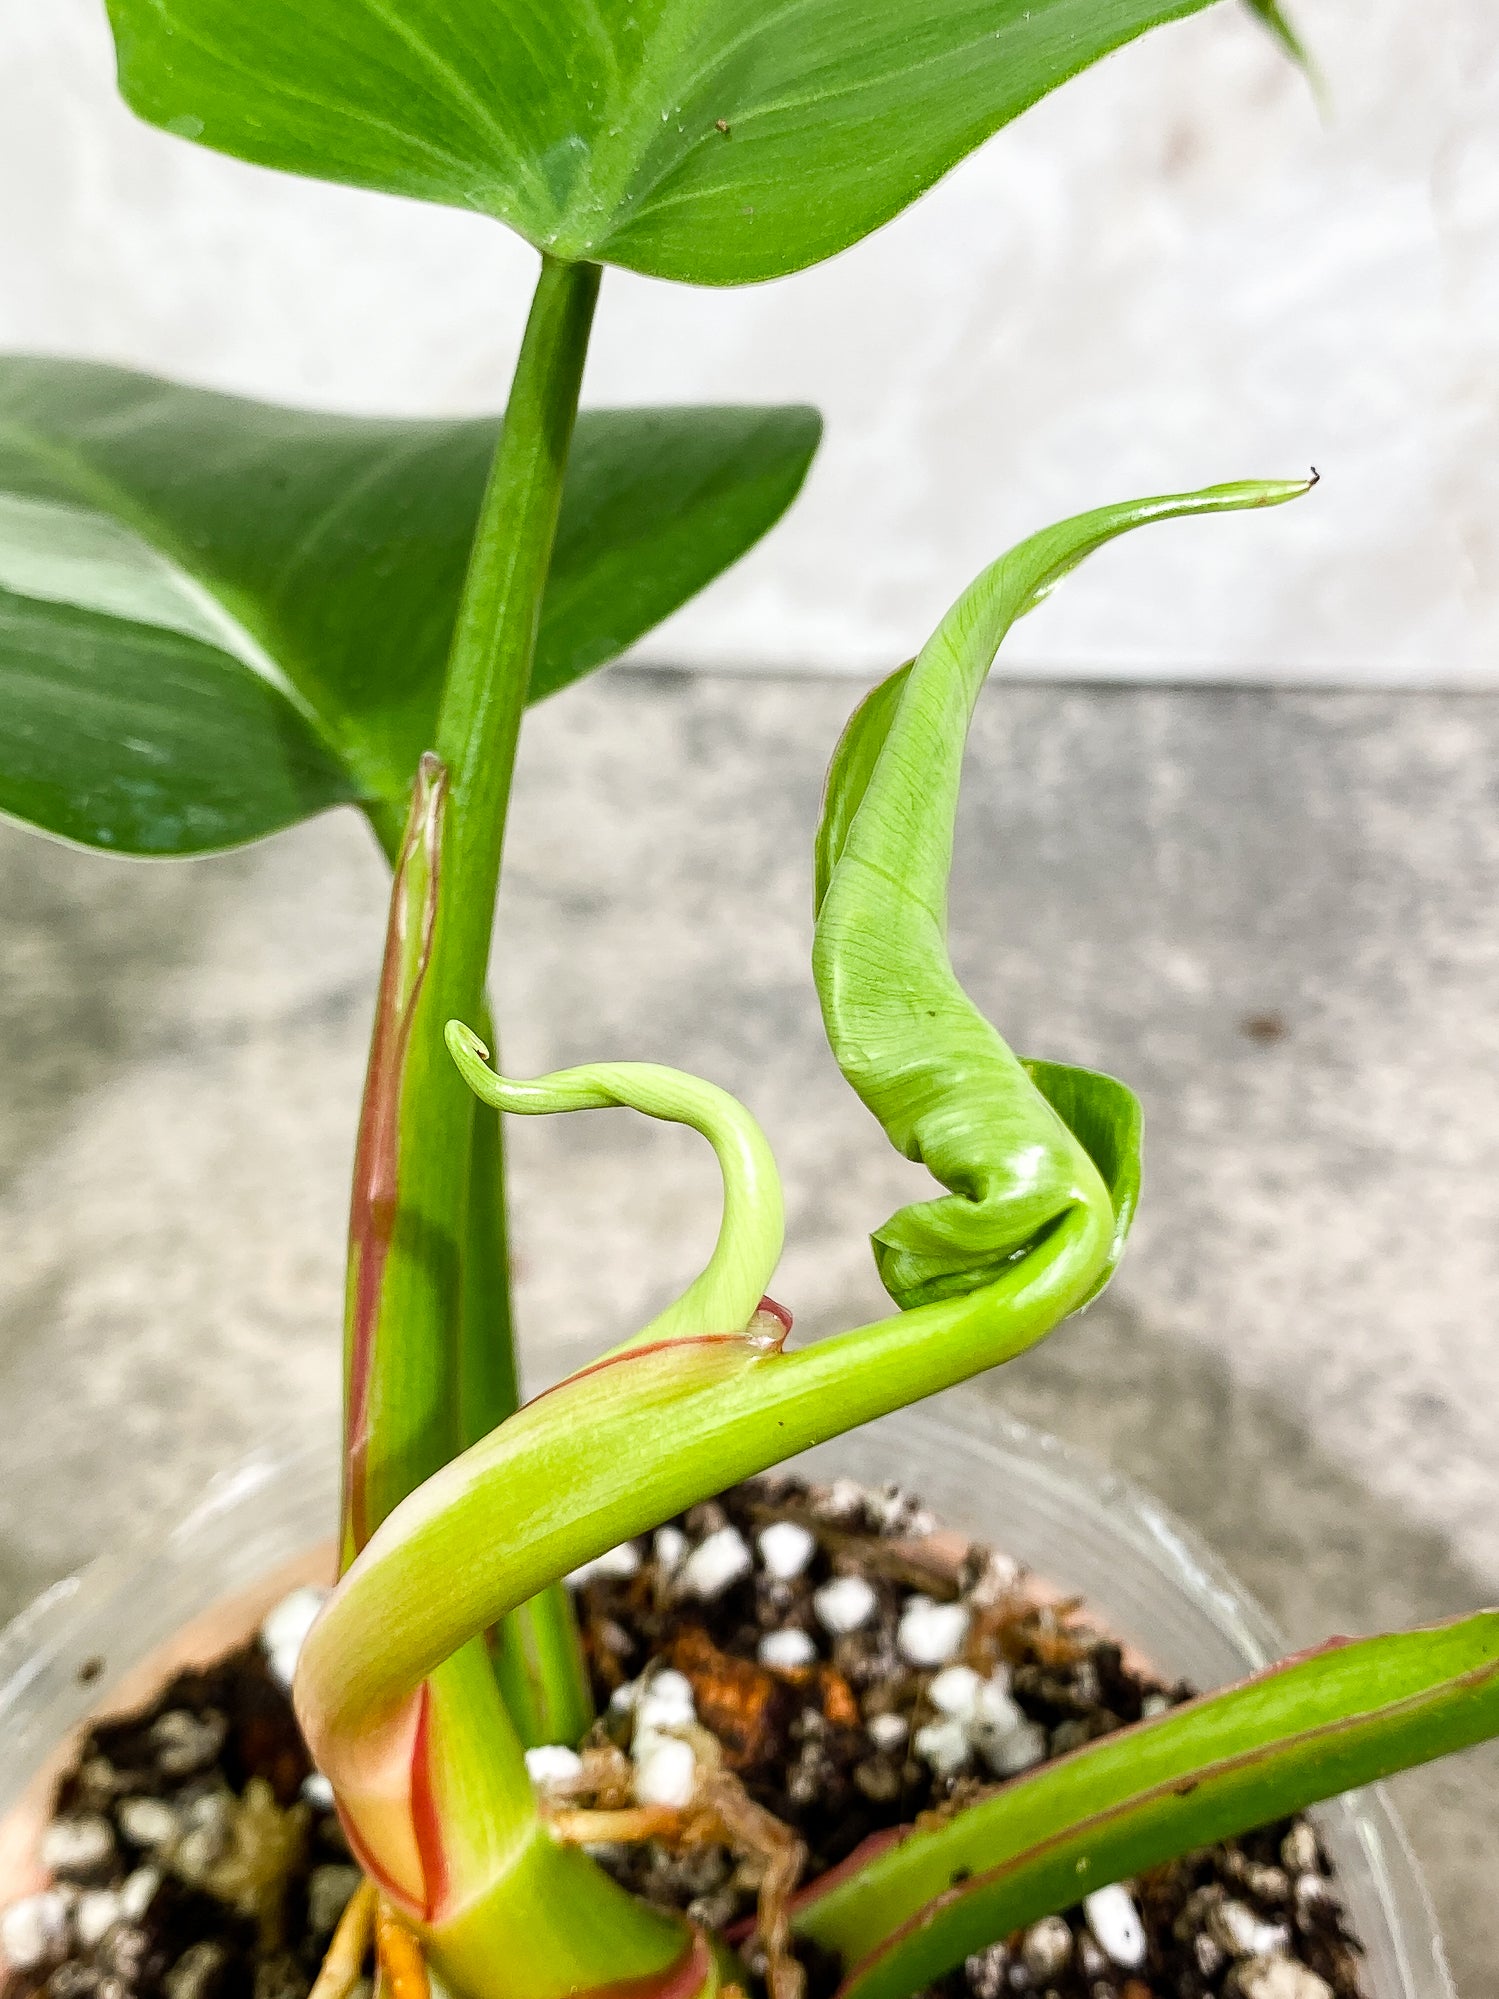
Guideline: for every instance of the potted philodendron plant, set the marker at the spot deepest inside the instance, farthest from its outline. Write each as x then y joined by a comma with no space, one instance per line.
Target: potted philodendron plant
217,618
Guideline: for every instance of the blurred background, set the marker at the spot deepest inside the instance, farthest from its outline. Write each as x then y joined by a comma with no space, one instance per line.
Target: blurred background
1231,827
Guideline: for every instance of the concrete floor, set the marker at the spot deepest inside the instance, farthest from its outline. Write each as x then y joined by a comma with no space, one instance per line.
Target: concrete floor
1274,914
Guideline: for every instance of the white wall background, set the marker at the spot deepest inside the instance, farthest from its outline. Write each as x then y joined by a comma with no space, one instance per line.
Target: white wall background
1172,272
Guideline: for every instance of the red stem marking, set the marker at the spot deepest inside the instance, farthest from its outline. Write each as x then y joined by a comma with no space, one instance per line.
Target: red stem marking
668,1346
373,1209
776,1312
426,1818
684,1980
371,1865
426,1826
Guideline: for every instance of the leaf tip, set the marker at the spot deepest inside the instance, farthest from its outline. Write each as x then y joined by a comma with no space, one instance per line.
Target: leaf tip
467,1050
1280,26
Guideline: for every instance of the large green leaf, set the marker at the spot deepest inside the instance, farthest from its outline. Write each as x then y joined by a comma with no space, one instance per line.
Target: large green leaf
217,617
904,1910
717,141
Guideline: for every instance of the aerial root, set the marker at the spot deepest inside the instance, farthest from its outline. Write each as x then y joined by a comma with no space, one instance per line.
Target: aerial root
343,1967
403,1968
720,1813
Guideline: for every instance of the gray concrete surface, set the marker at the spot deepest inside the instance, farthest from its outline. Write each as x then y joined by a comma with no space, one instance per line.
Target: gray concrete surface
1275,914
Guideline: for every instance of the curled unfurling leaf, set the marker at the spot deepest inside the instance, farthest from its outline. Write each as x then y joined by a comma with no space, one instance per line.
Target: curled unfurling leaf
1016,1145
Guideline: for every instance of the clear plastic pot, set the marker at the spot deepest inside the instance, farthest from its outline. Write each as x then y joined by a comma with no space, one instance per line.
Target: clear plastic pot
1154,1584
97,1639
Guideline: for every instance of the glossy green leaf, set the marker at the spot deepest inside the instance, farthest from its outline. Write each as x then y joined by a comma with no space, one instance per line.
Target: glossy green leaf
146,739
217,617
717,141
901,1914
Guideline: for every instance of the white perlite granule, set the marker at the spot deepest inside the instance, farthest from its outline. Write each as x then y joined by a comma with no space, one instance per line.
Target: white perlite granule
148,1822
843,1499
786,1547
1280,1978
1022,1749
665,1701
665,1770
285,1629
716,1565
138,1892
932,1634
944,1744
553,1766
888,1731
1116,1925
955,1691
97,1913
1046,1948
77,1846
34,1930
617,1564
845,1604
669,1547
786,1650
1236,1929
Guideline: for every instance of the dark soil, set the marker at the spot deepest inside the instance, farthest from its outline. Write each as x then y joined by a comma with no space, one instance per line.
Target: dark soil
226,1882
197,1857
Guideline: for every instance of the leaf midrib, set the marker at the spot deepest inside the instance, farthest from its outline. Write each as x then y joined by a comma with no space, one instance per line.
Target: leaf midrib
610,196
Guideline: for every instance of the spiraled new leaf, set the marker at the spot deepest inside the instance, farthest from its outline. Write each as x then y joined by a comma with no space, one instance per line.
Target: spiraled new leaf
724,1298
403,1713
905,1909
575,1463
1016,1148
717,141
